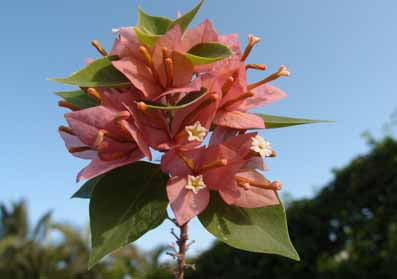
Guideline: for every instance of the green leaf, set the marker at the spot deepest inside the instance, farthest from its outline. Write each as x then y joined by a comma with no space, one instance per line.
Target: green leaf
206,53
185,20
184,103
273,121
125,204
99,73
153,25
86,190
144,38
78,98
262,230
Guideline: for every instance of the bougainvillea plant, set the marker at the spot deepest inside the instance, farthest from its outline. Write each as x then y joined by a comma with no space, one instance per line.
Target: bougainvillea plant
181,94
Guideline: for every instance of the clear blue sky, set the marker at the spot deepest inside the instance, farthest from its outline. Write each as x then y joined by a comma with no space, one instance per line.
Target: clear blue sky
342,55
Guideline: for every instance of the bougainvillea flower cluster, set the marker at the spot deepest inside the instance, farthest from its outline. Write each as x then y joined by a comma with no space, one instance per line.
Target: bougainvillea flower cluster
196,115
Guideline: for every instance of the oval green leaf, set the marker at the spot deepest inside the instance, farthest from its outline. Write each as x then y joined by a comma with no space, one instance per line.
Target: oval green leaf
99,73
125,204
273,121
153,25
185,20
206,53
262,230
78,98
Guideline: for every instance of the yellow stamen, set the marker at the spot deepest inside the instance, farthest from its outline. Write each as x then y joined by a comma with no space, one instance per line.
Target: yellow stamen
66,130
282,72
227,86
169,70
149,61
239,98
100,137
188,161
92,92
261,67
244,182
252,41
79,149
111,157
70,106
214,165
99,48
141,106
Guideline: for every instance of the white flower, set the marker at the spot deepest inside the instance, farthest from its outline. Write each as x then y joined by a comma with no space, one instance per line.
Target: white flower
195,183
261,146
196,132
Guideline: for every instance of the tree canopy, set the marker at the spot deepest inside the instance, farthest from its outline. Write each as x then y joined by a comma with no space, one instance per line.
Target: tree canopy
347,230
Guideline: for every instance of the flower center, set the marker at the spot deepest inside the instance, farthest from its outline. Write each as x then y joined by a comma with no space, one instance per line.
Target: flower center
196,132
195,183
261,146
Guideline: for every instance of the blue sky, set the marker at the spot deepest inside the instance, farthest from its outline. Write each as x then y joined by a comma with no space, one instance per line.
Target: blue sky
342,55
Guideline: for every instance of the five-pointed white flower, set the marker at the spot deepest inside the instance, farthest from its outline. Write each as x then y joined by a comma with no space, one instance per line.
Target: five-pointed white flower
261,146
196,132
195,183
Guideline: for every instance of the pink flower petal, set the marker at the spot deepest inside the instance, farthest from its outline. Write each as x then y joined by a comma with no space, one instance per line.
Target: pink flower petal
87,122
127,45
185,204
140,76
255,197
137,136
172,164
172,42
73,141
240,144
221,134
204,33
264,95
98,167
238,120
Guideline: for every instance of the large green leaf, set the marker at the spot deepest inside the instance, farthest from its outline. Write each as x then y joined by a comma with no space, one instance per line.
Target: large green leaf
185,20
273,121
99,73
78,98
86,190
262,230
153,25
206,53
125,204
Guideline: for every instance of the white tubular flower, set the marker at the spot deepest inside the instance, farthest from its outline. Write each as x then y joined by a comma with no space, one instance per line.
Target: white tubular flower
261,146
195,183
196,132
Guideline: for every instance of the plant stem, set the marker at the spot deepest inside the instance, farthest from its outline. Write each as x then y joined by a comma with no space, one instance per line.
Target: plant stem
183,237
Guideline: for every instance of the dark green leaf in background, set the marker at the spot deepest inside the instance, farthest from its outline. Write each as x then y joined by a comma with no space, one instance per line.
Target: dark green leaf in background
86,190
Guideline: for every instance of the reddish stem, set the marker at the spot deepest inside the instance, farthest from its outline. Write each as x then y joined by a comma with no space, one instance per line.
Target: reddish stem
183,237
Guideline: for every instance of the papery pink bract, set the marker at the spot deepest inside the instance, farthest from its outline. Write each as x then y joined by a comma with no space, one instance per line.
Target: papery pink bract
220,165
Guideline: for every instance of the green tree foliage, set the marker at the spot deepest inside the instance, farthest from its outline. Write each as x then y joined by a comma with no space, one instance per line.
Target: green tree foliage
348,230
29,253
